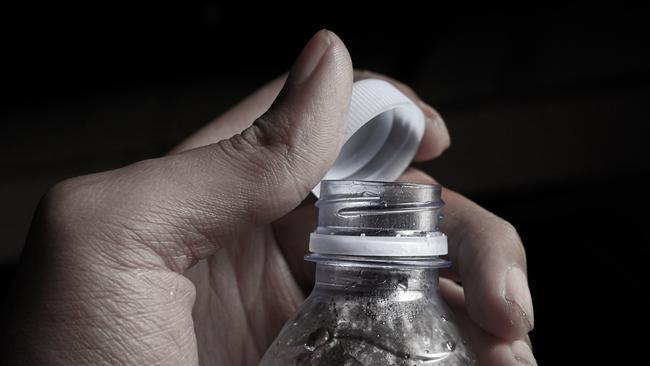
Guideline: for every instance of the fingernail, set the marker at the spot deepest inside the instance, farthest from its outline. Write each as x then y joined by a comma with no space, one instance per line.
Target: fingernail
522,353
517,294
310,57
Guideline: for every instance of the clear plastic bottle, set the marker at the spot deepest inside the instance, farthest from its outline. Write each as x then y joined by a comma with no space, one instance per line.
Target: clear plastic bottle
375,300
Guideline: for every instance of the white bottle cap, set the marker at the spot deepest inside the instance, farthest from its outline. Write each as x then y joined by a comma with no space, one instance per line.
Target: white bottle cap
383,134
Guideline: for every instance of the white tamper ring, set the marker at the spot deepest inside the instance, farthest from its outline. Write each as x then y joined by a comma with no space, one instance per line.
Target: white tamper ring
382,136
379,246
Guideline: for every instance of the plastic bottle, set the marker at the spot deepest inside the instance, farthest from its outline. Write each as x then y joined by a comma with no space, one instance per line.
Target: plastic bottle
377,250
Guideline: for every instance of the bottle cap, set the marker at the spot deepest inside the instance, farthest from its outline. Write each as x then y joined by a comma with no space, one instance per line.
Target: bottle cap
383,134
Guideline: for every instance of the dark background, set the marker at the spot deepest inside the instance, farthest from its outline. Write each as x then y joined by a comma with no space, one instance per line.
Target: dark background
547,108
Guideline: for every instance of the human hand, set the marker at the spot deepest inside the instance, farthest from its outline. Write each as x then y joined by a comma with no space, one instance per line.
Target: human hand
197,256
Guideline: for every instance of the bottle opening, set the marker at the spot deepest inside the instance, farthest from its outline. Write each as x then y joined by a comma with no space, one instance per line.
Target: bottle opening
379,219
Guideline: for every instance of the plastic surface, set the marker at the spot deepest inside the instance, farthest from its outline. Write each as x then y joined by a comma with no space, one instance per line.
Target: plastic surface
375,301
379,246
360,316
383,133
378,219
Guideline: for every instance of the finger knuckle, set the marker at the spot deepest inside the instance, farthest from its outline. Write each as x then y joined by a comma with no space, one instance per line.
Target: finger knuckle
63,214
269,136
66,199
269,150
272,130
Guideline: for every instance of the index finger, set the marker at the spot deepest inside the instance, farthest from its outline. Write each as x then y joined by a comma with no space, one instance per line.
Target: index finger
490,260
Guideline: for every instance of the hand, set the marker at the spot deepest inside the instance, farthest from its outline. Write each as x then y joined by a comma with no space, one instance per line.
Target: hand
197,256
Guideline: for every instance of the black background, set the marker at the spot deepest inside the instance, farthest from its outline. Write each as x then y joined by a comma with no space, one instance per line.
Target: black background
547,108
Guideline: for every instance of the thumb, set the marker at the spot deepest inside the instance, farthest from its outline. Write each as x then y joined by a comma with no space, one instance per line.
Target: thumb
262,173
254,177
168,213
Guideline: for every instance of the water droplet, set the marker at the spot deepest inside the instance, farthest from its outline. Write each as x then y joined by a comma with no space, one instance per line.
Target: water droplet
363,234
317,339
449,345
342,323
444,318
398,235
426,351
378,335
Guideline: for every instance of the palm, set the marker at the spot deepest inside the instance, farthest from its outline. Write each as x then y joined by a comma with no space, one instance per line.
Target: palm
244,294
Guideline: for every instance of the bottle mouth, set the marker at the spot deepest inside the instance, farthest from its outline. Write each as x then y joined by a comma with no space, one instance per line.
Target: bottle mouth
378,219
378,208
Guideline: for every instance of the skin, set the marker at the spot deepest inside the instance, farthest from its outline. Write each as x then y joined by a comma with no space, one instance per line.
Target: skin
196,257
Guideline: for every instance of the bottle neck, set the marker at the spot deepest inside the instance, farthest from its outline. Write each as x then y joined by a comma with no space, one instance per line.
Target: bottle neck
348,275
378,220
378,208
